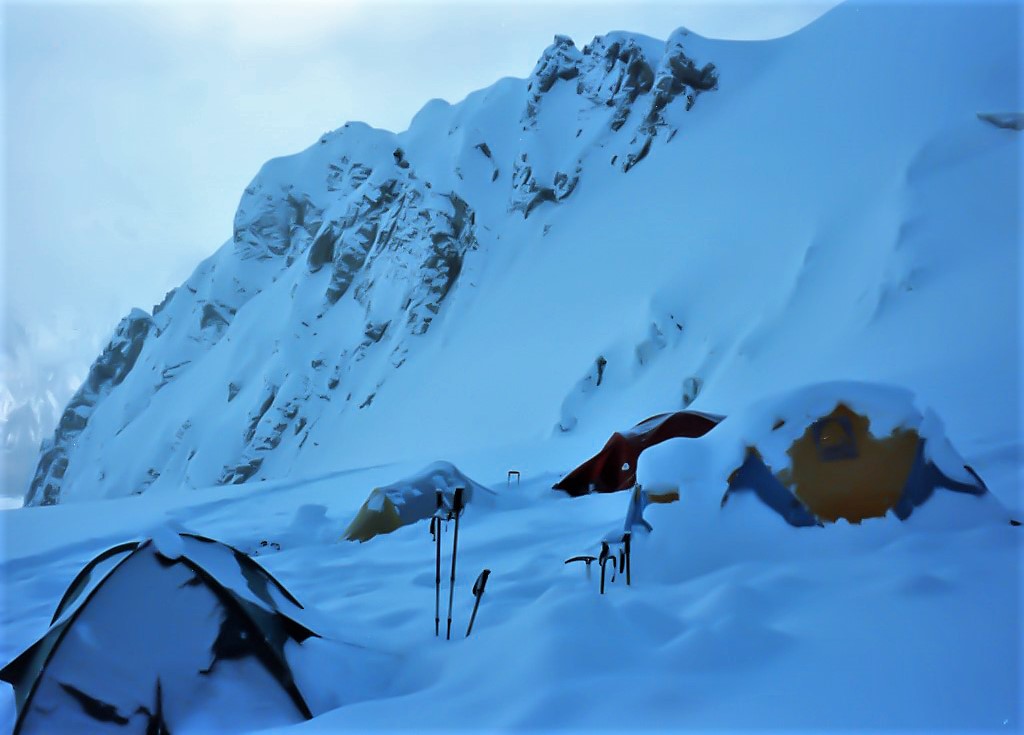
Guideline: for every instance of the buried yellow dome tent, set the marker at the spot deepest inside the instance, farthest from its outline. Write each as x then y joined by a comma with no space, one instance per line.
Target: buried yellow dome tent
411,499
839,463
831,451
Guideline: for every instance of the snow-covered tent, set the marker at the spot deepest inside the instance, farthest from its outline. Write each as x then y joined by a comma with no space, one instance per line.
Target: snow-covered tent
824,452
614,467
412,499
181,633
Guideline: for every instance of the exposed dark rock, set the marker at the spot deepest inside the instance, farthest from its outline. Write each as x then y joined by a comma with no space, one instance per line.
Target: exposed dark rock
171,372
692,387
261,411
166,300
559,61
110,369
375,330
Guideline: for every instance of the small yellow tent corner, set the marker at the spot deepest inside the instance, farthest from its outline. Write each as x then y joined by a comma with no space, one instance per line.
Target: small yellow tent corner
369,523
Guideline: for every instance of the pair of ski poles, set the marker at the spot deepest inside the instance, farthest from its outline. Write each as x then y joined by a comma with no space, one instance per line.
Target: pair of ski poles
478,586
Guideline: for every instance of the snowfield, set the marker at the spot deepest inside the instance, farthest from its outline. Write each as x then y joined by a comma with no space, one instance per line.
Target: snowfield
495,289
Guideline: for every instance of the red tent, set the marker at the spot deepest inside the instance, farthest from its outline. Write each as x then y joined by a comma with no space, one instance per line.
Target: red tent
614,467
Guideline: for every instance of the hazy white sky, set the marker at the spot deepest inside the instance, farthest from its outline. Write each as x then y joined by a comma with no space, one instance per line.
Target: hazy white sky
130,129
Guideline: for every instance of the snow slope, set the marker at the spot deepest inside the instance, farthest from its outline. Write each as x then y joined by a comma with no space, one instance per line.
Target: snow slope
834,210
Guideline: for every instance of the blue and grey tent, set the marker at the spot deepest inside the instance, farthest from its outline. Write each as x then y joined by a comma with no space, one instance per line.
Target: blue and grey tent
184,633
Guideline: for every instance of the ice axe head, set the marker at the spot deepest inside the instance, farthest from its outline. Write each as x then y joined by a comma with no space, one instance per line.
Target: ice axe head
586,559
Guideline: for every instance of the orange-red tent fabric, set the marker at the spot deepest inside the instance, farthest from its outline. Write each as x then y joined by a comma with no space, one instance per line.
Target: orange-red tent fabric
614,467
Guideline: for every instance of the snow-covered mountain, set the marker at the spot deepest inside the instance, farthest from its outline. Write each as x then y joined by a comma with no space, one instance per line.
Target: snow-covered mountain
638,226
343,256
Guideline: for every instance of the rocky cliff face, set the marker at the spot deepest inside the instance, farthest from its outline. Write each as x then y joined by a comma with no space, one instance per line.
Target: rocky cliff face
108,372
617,82
348,253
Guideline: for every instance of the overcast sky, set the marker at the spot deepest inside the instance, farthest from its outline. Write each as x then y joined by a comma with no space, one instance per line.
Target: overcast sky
130,129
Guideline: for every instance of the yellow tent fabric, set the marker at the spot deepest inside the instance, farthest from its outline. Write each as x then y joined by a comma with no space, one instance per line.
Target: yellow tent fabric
369,522
839,470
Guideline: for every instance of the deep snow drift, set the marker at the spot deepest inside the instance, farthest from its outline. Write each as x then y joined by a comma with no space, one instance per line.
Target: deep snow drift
641,226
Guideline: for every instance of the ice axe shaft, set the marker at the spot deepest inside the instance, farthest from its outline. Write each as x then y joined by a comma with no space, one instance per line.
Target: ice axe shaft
457,511
478,593
603,559
626,541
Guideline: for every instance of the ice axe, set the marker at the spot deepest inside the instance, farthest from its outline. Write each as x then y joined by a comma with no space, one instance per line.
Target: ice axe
603,559
627,539
478,592
585,558
456,511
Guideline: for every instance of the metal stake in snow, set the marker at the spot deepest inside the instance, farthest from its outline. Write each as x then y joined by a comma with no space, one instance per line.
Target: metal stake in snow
457,511
510,474
435,528
478,592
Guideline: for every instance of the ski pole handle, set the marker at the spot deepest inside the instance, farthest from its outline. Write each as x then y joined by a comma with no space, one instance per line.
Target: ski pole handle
481,583
478,593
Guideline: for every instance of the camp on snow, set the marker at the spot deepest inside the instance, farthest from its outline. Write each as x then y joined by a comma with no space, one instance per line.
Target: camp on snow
159,636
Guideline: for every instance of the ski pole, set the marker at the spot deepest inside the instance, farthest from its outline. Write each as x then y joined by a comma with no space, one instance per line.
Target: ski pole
478,593
435,523
457,510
